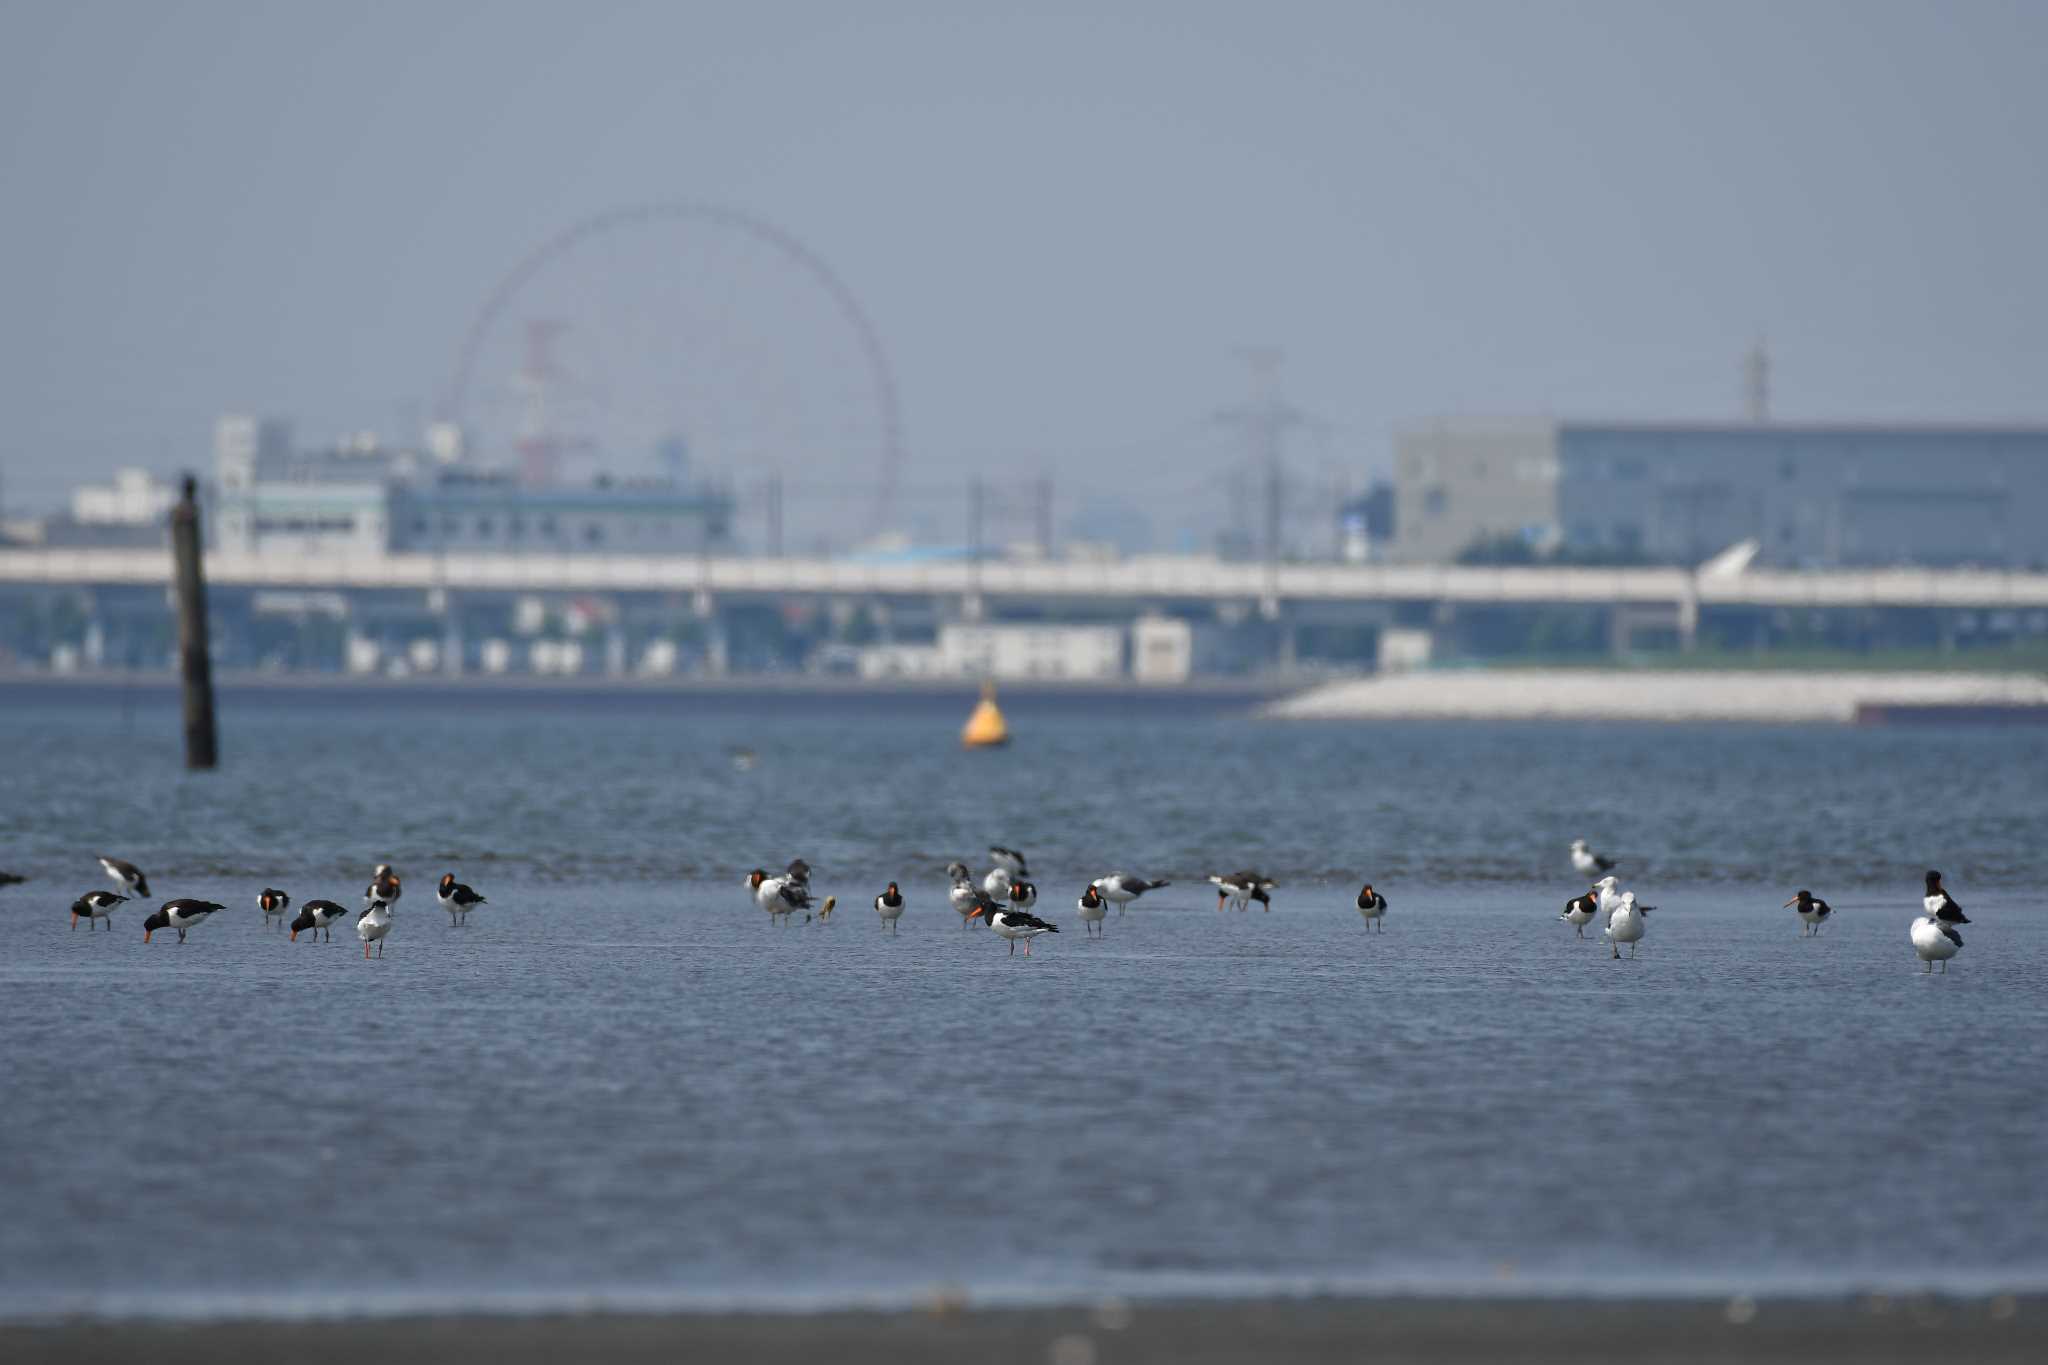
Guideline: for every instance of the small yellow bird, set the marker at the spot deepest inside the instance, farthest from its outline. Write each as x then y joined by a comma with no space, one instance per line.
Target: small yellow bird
824,911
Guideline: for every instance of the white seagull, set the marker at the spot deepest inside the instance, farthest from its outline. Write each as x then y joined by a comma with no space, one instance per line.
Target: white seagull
1373,906
1626,923
1609,892
965,895
889,905
372,925
1935,936
1121,888
1009,867
1586,862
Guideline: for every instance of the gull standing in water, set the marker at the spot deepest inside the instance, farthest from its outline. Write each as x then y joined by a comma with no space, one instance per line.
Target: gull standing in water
1009,867
1586,862
964,895
1373,906
1579,910
1121,888
1625,924
1812,910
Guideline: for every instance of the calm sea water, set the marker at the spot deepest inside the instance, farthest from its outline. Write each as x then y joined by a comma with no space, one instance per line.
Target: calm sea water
621,1085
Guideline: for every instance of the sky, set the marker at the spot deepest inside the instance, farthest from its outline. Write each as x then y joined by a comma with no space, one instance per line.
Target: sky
1066,224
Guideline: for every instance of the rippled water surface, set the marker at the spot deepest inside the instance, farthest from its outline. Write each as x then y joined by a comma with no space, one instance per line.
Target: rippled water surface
621,1084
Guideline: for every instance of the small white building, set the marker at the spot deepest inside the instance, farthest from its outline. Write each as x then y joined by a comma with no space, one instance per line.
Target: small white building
1023,652
136,497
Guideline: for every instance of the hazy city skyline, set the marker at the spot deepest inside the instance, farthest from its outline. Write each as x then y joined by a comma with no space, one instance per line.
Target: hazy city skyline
1064,226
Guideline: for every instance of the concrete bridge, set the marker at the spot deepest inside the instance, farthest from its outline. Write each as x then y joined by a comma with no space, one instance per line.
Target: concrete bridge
1137,582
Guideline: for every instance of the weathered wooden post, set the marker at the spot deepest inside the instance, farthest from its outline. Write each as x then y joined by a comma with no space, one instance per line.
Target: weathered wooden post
195,665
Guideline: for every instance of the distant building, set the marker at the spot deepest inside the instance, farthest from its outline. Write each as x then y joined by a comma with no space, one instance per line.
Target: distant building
136,497
1365,525
1812,494
360,497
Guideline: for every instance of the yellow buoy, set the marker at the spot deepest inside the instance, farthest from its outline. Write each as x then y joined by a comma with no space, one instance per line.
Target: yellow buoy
986,728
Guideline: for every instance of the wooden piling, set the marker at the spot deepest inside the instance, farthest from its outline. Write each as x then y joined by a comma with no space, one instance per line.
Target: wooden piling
195,666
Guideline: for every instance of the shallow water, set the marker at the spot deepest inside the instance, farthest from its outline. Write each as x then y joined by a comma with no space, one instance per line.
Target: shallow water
621,1085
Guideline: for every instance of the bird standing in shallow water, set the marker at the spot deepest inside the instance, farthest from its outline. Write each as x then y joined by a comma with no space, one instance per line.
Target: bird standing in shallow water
1625,923
372,926
1579,910
1812,911
180,914
1935,936
95,905
1586,862
316,917
889,905
1121,888
458,900
964,895
1093,908
1015,924
1373,906
273,903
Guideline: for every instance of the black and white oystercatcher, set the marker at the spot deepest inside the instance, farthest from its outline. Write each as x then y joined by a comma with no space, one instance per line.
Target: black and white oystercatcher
1373,906
316,917
458,900
273,902
96,905
1812,911
889,905
1017,924
179,914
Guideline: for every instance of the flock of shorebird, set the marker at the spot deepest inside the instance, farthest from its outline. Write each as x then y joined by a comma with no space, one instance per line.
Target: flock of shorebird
1003,898
315,918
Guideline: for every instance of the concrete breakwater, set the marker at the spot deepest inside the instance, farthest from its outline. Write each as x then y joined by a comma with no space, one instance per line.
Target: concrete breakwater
1644,695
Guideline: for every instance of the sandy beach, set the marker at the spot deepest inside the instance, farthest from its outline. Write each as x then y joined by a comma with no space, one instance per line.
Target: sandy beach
1863,1329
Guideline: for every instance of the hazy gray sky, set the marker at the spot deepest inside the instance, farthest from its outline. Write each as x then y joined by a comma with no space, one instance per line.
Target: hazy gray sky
1063,223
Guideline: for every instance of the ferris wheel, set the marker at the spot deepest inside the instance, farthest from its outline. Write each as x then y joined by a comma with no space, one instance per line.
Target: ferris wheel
685,340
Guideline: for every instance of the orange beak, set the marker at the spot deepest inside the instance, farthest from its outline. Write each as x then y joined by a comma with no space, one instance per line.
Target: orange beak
1793,901
975,913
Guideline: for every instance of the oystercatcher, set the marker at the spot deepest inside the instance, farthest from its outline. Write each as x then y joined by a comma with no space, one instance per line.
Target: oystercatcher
1023,895
1812,910
889,905
1940,904
126,875
273,902
1015,924
372,925
1373,906
1586,862
1242,888
180,914
384,888
95,905
1579,910
1093,908
458,900
1121,888
315,917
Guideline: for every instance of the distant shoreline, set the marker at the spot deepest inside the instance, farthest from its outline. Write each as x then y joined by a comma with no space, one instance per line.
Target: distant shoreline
1311,1331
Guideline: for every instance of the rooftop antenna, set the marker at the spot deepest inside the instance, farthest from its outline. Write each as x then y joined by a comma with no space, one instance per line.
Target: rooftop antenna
1756,377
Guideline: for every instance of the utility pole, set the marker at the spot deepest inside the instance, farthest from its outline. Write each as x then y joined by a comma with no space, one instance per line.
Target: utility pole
195,666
